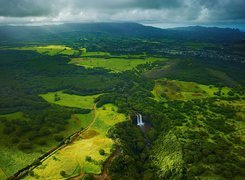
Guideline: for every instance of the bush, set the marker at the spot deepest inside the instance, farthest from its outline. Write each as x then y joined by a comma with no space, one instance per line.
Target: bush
31,173
15,140
102,152
37,162
25,146
84,111
44,132
56,97
63,173
88,158
211,158
3,120
197,170
7,130
58,137
88,177
41,142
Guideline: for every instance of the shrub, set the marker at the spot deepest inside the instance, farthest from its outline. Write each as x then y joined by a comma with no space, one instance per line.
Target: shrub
41,142
25,146
88,177
88,158
211,158
31,173
63,173
8,130
102,152
58,137
56,97
15,140
231,93
37,162
197,170
44,132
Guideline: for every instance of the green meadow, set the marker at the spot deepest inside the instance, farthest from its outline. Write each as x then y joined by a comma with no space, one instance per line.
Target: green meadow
116,64
83,155
68,100
12,158
12,116
50,50
91,54
181,90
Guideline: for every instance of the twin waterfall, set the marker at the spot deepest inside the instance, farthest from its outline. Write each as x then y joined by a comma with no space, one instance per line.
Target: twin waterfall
139,120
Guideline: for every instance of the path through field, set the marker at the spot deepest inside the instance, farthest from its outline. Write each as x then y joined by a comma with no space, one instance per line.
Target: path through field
69,159
89,126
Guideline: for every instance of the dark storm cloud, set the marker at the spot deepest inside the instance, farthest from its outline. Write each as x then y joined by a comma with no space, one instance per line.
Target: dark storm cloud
23,8
231,10
128,4
157,4
125,10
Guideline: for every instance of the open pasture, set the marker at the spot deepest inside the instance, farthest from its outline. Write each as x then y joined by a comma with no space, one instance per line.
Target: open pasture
83,156
114,64
68,100
181,90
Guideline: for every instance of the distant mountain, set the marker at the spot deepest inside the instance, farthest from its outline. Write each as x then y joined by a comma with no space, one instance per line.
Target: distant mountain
74,31
134,30
209,33
205,29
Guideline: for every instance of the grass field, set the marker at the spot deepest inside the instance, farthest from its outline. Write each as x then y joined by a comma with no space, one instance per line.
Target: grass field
89,54
72,158
181,90
68,100
50,50
16,115
13,159
113,64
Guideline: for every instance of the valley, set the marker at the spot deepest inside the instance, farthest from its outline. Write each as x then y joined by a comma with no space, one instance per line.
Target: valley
69,106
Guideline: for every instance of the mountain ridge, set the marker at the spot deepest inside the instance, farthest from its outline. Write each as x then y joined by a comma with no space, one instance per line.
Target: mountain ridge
135,30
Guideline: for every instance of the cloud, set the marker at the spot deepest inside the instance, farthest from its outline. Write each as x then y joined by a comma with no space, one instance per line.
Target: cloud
23,8
174,11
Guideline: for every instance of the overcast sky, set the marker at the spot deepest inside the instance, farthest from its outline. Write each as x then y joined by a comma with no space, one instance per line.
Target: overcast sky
151,12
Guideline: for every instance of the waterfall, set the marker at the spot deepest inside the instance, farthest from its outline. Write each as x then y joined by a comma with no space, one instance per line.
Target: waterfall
139,120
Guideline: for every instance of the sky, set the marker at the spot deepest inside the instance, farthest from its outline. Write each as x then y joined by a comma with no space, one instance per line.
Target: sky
160,13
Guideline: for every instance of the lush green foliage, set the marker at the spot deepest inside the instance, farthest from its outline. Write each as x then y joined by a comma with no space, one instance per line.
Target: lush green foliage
40,125
190,94
86,154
